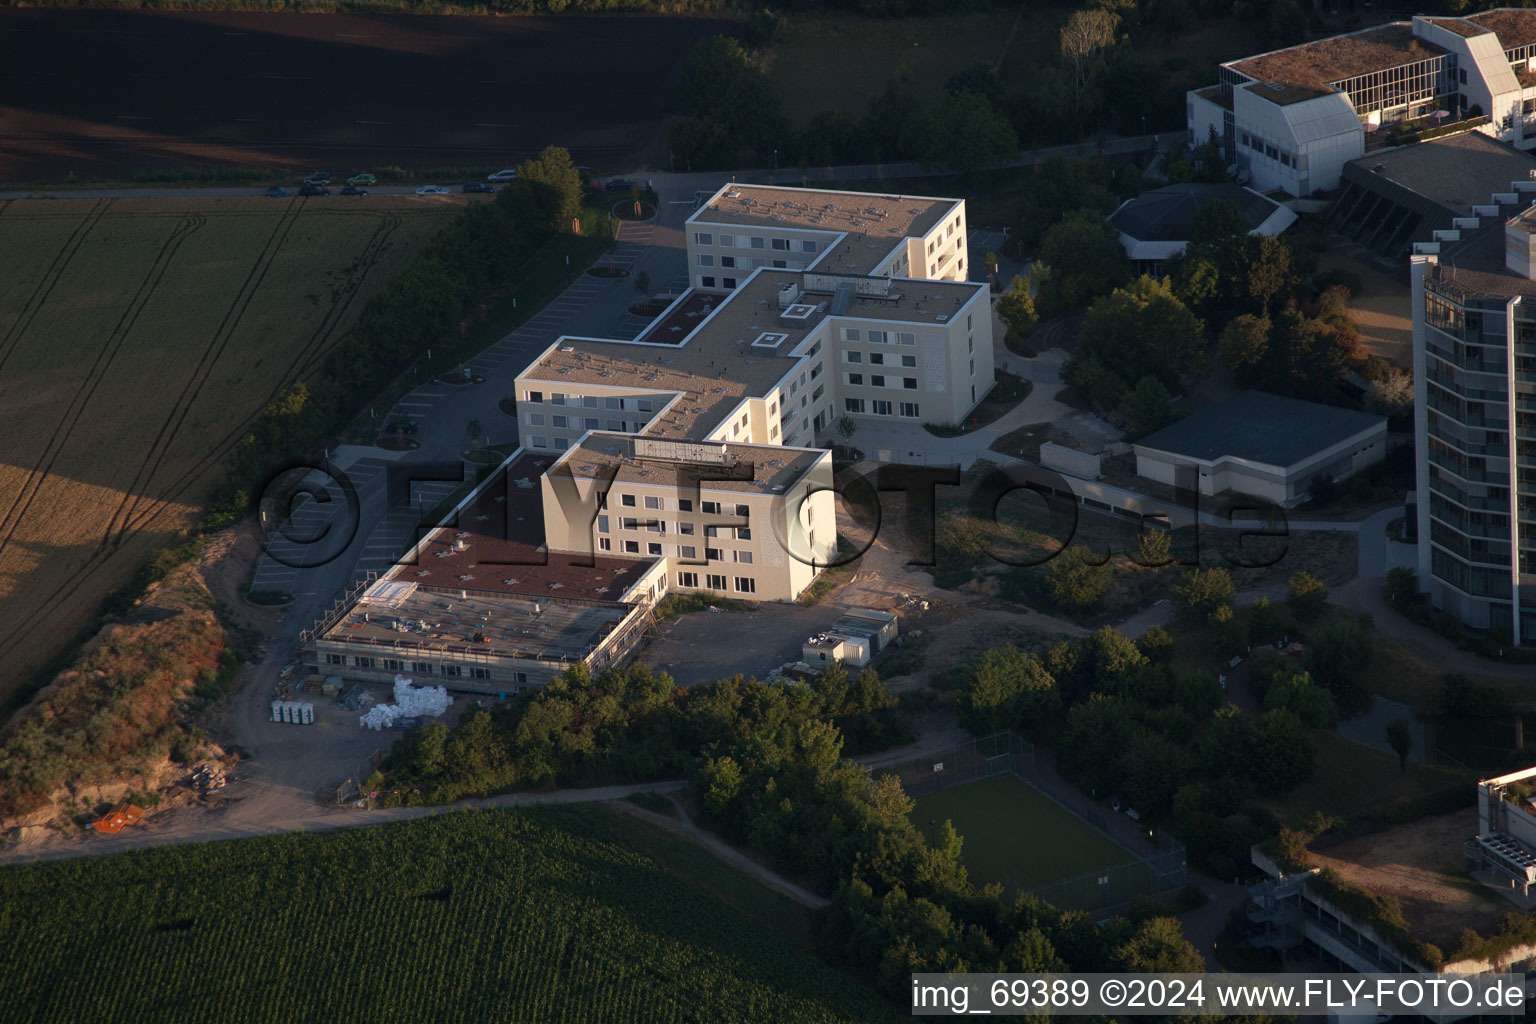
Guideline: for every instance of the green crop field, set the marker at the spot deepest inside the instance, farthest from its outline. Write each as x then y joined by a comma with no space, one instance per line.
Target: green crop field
137,339
1017,836
574,914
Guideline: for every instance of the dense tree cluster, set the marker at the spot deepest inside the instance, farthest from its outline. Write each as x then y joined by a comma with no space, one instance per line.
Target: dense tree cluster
1138,340
1124,723
628,724
1244,297
729,114
766,765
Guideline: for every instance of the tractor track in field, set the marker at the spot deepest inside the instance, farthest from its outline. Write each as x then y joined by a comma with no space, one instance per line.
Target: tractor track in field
83,394
195,383
108,545
93,377
39,296
303,363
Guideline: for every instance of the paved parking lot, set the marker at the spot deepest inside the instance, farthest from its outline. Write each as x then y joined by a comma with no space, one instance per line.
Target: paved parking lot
704,646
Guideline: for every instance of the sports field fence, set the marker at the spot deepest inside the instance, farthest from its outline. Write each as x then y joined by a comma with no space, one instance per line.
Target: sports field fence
1002,753
1006,753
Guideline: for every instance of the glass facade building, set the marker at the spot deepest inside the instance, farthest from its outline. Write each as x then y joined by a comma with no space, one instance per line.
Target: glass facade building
1475,367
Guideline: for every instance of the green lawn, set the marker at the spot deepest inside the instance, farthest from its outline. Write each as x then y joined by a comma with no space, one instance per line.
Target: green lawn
1008,392
1017,836
569,913
1354,781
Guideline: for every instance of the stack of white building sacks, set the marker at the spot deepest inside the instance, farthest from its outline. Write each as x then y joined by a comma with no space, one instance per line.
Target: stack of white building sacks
410,702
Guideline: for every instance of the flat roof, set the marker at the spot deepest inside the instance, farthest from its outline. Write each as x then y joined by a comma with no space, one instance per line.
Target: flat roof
717,364
498,546
1316,64
1461,26
875,223
1260,427
1457,172
679,319
1216,94
763,468
501,625
1514,26
1418,865
1474,268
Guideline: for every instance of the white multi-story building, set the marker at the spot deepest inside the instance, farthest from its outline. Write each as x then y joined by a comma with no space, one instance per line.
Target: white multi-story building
691,458
744,227
1293,118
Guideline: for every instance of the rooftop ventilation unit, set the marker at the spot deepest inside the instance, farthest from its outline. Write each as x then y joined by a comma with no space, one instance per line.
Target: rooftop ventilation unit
799,313
788,293
771,339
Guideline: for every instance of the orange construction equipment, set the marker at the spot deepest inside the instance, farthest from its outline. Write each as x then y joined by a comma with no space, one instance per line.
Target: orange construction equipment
114,820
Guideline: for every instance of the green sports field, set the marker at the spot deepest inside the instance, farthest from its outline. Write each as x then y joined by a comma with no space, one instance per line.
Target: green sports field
1017,836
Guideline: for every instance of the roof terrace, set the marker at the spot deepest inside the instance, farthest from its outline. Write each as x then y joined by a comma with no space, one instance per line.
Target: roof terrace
1316,65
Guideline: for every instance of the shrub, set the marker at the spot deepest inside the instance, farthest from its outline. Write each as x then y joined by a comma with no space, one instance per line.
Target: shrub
1199,592
1308,596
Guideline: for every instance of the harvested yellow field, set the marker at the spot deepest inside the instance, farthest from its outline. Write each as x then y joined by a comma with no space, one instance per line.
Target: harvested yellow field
138,338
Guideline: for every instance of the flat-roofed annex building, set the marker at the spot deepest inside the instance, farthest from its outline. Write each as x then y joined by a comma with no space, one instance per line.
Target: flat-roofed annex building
1269,446
1293,118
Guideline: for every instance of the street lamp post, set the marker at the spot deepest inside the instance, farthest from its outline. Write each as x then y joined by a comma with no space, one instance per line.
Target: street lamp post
1143,124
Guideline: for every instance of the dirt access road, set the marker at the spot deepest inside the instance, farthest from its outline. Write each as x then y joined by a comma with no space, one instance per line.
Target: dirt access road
99,93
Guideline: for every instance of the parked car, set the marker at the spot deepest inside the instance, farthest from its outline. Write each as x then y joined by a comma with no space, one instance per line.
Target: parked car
620,184
278,192
404,425
478,186
314,190
432,190
353,190
318,178
362,179
506,175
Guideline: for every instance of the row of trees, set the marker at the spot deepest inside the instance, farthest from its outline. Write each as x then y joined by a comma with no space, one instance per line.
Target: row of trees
625,725
463,262
767,767
729,114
